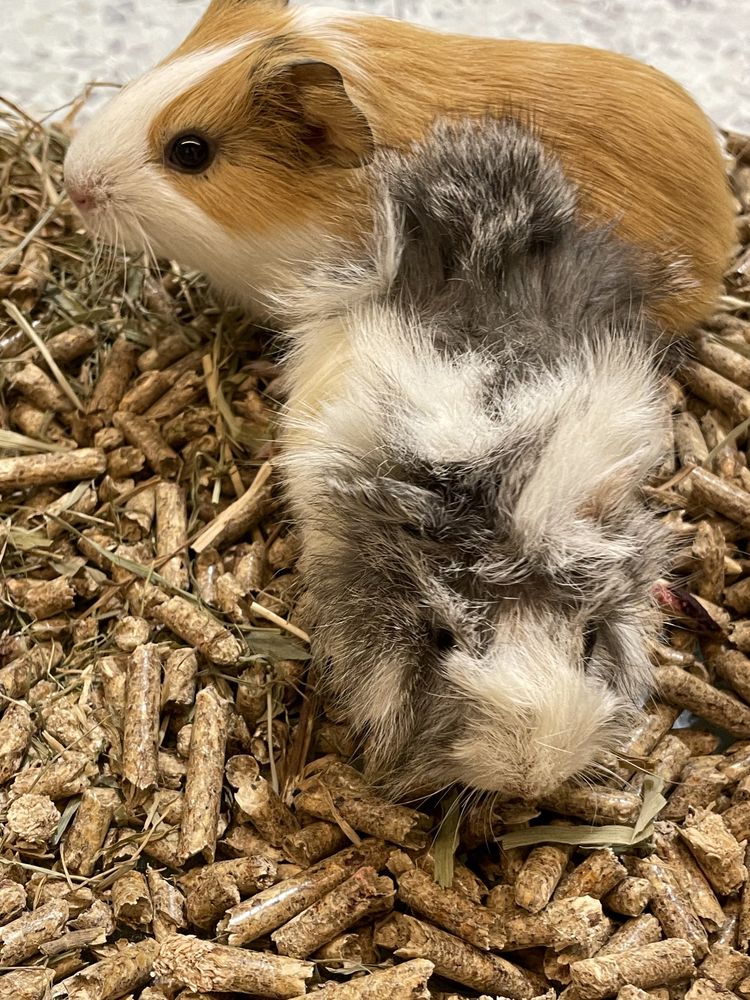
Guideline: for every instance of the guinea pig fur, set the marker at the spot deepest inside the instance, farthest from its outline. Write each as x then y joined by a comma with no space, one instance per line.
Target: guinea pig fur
466,468
243,149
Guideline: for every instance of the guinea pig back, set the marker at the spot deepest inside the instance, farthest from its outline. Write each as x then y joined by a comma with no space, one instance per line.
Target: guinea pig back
471,416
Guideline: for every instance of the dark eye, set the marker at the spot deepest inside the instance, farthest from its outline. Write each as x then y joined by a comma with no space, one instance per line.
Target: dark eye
590,635
443,639
190,153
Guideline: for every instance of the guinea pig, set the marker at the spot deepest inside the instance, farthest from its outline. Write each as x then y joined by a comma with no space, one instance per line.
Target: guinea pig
471,415
243,149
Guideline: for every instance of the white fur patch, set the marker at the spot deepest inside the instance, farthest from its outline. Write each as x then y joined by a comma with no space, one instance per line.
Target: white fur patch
534,718
606,429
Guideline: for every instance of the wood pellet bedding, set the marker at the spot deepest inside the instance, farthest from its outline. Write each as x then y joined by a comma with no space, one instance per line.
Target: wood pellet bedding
180,816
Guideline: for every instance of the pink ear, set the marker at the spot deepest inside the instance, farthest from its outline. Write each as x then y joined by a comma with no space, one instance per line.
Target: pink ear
332,128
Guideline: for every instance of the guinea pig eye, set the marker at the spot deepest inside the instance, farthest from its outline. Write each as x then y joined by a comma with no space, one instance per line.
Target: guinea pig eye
190,153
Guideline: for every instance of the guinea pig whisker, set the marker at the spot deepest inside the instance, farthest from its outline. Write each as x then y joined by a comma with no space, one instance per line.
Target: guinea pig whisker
551,746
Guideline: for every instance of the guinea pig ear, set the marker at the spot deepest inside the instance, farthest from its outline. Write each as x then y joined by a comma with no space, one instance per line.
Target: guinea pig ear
327,126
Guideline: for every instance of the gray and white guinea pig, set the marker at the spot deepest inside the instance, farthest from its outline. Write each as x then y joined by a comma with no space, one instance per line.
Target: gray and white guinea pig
244,148
471,416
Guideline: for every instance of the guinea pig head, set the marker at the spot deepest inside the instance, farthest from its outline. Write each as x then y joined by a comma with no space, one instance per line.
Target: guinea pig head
218,156
549,661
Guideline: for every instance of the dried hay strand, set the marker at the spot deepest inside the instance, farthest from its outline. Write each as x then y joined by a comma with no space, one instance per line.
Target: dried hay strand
180,817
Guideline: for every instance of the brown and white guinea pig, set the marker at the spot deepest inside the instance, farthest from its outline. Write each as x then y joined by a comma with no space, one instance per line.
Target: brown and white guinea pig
241,150
465,470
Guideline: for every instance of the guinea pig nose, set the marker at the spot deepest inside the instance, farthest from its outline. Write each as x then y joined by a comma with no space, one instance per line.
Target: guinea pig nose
82,195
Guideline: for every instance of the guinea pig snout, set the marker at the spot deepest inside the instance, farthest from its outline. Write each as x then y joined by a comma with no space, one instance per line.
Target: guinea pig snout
86,195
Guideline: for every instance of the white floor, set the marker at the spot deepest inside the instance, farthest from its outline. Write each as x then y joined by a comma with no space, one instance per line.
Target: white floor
50,48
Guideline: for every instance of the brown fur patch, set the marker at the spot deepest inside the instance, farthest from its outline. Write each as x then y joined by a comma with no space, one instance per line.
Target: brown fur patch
642,153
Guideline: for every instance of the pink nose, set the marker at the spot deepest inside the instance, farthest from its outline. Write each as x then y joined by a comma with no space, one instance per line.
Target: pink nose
83,197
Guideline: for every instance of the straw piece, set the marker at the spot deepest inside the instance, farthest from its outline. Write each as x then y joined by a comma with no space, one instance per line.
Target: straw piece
687,691
653,965
595,804
240,516
275,906
127,970
540,875
171,534
144,434
630,897
44,470
113,381
201,965
208,741
743,915
141,733
199,629
16,729
365,813
211,891
450,909
21,938
455,959
180,673
716,850
595,876
364,895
